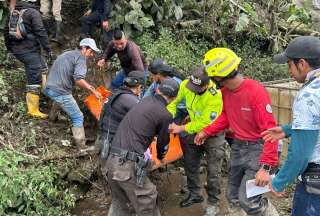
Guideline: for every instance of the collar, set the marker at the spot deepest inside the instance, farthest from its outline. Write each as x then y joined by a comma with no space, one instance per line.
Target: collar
312,75
161,99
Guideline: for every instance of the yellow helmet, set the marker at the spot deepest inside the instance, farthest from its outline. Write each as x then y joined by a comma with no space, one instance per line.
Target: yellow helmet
220,62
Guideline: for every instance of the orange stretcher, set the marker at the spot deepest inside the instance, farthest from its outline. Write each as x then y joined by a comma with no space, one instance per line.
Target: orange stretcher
174,152
95,105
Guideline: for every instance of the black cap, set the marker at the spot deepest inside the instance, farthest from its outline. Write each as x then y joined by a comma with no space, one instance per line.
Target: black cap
197,80
155,64
169,87
303,47
137,75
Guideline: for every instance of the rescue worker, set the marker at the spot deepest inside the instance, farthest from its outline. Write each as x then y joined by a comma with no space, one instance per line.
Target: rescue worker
50,8
303,159
246,112
160,71
67,70
26,47
127,168
204,105
129,54
99,13
117,106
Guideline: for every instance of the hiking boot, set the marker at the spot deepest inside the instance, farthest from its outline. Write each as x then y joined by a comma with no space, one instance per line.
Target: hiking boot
212,210
190,200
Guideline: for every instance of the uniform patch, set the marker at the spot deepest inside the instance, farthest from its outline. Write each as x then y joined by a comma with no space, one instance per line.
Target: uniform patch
213,115
212,91
269,108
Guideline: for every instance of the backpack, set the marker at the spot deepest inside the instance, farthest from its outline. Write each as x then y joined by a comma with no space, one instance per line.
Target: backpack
17,29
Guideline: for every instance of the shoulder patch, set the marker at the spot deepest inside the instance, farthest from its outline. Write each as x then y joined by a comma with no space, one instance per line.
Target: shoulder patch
212,91
269,108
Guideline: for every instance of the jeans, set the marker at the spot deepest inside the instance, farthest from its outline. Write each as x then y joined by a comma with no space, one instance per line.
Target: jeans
117,81
34,65
304,203
68,104
244,164
214,149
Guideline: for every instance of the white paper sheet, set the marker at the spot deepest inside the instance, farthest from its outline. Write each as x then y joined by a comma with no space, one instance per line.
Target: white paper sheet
253,190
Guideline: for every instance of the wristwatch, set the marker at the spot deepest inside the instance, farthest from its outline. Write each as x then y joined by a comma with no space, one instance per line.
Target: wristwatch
266,167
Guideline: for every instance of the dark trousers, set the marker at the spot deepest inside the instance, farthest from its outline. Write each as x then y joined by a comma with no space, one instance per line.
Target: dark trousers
127,197
244,164
305,203
34,65
92,20
214,150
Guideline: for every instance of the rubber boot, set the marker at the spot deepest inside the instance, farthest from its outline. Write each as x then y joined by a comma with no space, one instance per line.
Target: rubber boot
33,105
79,137
54,112
44,76
58,38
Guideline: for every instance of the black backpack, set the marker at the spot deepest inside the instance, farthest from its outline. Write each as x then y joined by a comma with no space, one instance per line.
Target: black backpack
17,29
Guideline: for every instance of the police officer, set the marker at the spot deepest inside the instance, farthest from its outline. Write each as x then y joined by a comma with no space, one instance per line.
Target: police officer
204,105
303,58
126,164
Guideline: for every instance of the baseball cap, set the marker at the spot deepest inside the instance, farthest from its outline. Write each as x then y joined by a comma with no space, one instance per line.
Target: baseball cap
306,47
169,87
155,64
90,43
197,80
138,75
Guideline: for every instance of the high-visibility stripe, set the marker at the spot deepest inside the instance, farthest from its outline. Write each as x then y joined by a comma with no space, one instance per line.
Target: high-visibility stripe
216,61
228,66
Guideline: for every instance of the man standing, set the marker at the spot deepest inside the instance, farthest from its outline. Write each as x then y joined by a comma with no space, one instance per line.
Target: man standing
129,54
68,69
24,41
204,105
49,8
127,168
247,112
303,58
99,13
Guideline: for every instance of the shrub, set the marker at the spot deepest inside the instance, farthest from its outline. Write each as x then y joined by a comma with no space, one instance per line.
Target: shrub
32,190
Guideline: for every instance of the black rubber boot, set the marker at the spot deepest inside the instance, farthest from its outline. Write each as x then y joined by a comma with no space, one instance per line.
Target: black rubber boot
59,35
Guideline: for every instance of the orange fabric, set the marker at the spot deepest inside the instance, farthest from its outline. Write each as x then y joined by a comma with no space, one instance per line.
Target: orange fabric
95,105
174,152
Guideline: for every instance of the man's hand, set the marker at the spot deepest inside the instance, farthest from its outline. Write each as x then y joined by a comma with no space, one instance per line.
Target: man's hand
97,95
87,13
273,134
277,194
101,63
176,129
105,25
200,138
262,178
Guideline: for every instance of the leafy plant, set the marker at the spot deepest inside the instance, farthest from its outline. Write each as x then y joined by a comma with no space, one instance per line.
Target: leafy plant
32,190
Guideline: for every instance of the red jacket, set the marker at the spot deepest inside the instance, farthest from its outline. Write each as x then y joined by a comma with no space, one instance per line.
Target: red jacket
247,111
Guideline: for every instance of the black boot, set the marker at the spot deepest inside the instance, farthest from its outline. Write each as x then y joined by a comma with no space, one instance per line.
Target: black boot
48,26
190,200
59,35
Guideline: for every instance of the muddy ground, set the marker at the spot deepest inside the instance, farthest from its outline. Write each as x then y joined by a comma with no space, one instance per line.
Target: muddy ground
169,185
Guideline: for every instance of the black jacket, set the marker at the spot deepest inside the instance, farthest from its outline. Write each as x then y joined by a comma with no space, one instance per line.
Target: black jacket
115,109
147,119
104,7
37,35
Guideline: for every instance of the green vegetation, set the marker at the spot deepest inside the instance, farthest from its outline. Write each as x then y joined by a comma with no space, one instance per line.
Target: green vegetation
29,189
